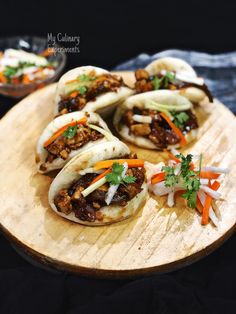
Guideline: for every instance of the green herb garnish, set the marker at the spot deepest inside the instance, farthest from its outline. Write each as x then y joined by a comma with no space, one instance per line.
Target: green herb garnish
82,89
179,119
170,178
164,81
86,78
187,177
115,177
70,132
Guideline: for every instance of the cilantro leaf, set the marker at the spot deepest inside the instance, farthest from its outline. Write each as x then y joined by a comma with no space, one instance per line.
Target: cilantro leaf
191,197
164,81
115,177
170,178
10,71
170,76
129,179
189,178
180,119
185,163
82,89
156,82
85,78
70,132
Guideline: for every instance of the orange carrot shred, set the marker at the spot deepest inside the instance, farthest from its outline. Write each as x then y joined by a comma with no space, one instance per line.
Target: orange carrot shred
205,212
177,131
158,177
62,129
100,176
209,175
132,163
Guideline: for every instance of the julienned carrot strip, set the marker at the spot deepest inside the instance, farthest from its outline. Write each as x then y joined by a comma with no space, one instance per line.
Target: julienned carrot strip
209,175
100,176
132,163
73,94
62,129
174,128
26,79
158,177
205,211
199,205
3,79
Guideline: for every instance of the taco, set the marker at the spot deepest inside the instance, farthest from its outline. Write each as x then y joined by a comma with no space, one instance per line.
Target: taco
156,120
173,74
90,88
66,136
100,186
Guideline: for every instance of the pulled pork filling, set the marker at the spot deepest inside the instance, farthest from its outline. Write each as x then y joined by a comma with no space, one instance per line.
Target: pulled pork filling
62,146
96,86
145,83
87,208
158,131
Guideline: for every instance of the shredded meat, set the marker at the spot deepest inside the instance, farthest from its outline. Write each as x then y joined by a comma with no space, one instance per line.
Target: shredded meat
86,208
101,84
159,131
62,146
144,83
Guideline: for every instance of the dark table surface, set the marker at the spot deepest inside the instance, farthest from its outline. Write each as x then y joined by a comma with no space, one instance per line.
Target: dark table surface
208,286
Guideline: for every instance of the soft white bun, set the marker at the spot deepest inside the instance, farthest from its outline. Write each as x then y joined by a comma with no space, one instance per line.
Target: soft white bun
70,174
166,97
180,66
56,124
104,104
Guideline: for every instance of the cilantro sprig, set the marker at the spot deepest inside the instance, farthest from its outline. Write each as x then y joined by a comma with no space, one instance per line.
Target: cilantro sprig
115,177
71,131
164,81
179,118
86,78
187,177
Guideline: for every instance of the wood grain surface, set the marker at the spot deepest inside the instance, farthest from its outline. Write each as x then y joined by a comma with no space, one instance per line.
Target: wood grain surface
157,239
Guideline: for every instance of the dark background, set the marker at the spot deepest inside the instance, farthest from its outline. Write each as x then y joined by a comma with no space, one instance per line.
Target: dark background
112,32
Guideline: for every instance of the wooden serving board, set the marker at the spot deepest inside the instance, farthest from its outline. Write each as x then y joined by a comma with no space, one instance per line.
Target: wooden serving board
157,239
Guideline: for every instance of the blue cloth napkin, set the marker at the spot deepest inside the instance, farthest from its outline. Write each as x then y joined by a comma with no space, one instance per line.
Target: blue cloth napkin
218,70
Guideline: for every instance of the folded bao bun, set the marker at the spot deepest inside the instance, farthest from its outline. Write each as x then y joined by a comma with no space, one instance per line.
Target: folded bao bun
103,104
71,173
165,97
182,68
58,123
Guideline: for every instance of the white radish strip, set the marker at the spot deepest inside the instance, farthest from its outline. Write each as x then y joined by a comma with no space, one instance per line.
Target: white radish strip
160,189
170,199
204,181
213,217
113,188
142,119
183,76
171,163
209,191
202,197
215,169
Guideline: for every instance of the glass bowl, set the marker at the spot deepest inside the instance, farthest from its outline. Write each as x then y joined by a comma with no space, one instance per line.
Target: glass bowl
35,45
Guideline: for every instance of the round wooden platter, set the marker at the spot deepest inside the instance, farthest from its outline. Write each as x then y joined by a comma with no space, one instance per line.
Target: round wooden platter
156,239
